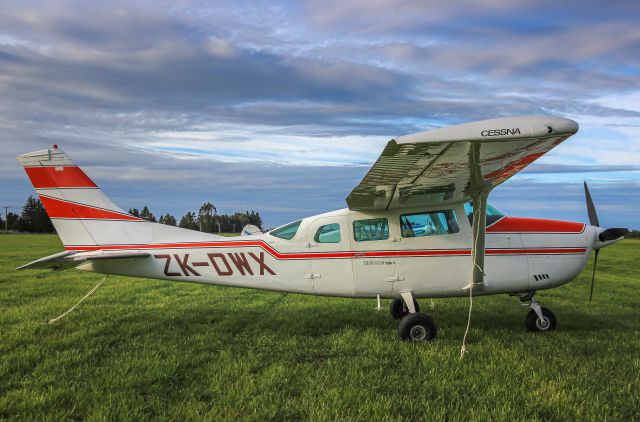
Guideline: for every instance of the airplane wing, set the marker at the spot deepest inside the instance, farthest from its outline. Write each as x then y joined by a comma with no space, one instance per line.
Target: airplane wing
446,165
69,259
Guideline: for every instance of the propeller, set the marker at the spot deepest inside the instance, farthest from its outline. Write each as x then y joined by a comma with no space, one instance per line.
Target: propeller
591,209
593,220
605,236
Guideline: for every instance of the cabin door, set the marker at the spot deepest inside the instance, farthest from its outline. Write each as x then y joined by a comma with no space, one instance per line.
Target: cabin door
331,265
374,242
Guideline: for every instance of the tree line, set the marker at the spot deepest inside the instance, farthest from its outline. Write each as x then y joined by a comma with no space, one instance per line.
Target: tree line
34,219
206,219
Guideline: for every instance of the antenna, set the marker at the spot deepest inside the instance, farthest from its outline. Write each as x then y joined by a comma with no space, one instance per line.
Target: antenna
6,221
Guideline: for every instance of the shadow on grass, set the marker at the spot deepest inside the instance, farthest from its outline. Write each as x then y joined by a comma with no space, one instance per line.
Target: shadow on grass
240,320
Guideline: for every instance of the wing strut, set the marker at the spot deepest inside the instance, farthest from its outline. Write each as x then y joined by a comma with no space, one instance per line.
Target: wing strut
479,190
478,231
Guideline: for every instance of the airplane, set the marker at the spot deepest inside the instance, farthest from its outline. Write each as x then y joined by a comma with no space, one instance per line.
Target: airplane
418,225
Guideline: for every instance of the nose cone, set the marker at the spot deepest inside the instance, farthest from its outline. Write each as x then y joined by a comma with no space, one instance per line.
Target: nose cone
606,237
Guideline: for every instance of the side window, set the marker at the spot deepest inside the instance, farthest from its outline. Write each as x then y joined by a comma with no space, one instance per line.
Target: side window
372,229
329,233
286,232
428,223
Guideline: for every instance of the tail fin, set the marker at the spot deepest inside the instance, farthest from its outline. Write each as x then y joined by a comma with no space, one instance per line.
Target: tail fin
80,212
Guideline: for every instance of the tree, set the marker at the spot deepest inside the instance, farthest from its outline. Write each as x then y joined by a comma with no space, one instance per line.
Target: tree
254,218
34,218
145,214
188,221
167,219
12,221
134,212
207,211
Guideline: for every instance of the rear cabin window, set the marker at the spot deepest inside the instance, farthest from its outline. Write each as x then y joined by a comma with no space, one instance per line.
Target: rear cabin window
493,214
428,223
287,231
371,229
329,233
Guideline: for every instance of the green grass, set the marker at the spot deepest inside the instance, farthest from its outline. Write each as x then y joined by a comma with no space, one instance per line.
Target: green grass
145,349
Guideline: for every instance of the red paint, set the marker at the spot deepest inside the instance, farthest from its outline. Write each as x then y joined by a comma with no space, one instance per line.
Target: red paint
512,168
59,177
57,208
349,254
534,225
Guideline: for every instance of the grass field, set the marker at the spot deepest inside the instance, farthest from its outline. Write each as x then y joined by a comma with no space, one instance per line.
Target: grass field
145,349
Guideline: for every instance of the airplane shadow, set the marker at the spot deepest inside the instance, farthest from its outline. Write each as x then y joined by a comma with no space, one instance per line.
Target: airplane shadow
290,316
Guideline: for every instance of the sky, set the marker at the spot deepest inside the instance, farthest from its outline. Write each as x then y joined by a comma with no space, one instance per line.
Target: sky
282,106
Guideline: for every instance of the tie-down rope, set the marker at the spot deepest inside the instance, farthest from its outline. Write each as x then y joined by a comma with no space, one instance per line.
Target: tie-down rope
51,321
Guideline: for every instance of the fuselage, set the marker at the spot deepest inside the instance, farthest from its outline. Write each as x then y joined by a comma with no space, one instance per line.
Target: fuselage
364,254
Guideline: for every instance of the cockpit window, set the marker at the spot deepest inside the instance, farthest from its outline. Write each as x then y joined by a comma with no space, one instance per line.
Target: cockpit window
428,223
329,233
493,214
287,231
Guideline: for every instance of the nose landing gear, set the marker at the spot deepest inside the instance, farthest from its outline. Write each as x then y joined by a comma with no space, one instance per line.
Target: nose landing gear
539,319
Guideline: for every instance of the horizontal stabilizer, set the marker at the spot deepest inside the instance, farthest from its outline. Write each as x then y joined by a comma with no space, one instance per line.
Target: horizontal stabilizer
250,230
69,259
58,261
109,255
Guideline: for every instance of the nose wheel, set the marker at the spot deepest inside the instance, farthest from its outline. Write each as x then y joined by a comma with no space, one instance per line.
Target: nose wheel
539,319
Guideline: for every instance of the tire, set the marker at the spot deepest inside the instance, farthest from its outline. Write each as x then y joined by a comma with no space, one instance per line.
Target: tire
417,327
534,324
399,310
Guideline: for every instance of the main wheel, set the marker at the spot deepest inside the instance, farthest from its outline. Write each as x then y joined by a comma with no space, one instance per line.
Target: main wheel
417,327
547,323
399,309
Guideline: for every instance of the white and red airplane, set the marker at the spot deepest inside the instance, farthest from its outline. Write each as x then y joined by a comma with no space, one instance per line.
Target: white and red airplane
418,225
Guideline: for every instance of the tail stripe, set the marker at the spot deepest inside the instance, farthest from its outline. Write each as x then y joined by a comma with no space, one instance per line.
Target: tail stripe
43,177
57,208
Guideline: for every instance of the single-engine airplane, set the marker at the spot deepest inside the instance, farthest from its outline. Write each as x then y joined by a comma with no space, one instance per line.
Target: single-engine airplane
418,225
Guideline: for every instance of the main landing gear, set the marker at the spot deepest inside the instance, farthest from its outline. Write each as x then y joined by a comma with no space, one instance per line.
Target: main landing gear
539,319
414,325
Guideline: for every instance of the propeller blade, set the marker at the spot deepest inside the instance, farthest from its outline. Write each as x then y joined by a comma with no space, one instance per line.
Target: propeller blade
612,234
593,275
591,209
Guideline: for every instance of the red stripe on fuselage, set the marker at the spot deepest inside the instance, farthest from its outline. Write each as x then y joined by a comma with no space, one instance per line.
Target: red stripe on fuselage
333,255
57,208
534,225
59,177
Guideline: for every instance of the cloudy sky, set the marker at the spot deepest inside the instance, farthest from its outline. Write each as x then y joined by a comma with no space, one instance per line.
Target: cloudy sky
281,106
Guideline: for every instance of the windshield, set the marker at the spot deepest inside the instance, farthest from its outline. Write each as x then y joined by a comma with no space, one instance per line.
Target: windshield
493,214
287,231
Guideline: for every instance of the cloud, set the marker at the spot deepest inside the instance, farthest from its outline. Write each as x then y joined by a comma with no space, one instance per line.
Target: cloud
525,196
287,96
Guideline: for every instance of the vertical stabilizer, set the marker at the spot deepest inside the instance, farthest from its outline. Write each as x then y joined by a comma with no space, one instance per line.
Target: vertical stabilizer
81,213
